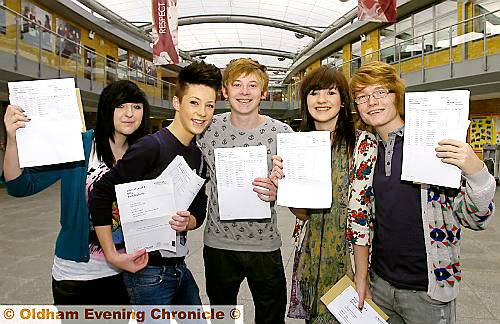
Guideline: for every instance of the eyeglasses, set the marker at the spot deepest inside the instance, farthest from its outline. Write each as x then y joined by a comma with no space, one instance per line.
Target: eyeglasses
377,94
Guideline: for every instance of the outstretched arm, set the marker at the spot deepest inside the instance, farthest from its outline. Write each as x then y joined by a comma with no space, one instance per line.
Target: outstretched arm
474,205
14,119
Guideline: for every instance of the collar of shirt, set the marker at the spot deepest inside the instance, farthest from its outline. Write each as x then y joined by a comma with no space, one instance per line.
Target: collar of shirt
389,147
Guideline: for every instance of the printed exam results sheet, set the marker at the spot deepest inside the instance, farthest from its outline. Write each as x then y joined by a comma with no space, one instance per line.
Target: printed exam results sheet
147,206
235,169
342,301
429,118
53,135
307,167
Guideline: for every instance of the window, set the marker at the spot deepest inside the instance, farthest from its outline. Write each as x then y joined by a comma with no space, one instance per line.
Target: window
432,24
334,59
355,56
387,42
491,10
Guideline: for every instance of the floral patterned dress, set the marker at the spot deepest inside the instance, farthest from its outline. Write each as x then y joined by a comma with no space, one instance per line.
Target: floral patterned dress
323,256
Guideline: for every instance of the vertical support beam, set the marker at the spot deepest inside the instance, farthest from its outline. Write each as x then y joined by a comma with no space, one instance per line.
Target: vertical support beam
18,36
485,45
39,29
423,58
450,35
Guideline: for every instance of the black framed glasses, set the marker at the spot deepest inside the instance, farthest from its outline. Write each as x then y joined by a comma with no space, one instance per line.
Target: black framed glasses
377,94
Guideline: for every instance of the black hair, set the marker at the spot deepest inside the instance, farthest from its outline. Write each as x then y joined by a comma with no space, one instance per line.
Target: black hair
114,95
198,73
327,77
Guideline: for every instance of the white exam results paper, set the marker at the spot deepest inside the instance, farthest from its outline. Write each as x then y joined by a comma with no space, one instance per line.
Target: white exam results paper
235,169
54,133
342,301
345,309
429,118
186,182
145,209
147,206
307,165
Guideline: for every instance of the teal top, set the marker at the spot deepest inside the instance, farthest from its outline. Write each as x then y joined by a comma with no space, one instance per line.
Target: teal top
73,239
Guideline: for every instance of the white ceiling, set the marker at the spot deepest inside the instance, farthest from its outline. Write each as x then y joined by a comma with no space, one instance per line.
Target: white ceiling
317,14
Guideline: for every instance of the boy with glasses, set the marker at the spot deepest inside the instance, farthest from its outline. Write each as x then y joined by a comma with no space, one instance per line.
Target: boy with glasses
235,250
415,264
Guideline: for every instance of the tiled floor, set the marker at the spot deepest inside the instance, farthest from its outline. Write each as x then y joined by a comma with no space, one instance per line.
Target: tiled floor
28,227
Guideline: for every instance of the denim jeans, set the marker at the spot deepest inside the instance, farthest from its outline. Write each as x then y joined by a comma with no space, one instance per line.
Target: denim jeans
162,285
410,306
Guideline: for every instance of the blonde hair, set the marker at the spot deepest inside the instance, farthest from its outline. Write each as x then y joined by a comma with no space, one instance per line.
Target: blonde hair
245,66
377,73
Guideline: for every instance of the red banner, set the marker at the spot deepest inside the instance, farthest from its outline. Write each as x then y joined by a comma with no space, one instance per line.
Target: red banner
377,10
165,28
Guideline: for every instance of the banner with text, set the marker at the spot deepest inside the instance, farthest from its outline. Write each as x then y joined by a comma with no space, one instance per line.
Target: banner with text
165,31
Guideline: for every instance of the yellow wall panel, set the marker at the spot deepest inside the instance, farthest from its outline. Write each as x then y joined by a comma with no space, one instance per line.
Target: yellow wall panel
370,45
346,56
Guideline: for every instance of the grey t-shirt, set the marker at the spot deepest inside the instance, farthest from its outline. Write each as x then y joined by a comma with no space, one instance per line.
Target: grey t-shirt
254,235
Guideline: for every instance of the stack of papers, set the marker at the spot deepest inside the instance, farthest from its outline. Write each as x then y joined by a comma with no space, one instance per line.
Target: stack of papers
307,165
147,206
54,133
342,301
429,118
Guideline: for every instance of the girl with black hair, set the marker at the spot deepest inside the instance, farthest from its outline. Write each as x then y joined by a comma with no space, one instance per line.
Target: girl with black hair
323,256
80,273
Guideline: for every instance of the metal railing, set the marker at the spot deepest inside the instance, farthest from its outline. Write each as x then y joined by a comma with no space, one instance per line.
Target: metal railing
29,39
421,49
459,48
68,56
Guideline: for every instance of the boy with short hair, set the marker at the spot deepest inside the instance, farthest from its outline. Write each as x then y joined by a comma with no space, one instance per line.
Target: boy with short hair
415,264
235,250
169,280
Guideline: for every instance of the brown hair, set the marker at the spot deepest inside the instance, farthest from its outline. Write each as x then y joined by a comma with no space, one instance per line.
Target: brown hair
327,77
245,66
381,73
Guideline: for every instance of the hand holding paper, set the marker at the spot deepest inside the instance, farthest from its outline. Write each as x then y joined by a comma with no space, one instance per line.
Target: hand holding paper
431,117
180,221
265,189
14,118
342,301
152,211
54,133
459,154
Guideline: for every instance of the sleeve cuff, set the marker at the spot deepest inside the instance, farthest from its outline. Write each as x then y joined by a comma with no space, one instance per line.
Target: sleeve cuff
479,179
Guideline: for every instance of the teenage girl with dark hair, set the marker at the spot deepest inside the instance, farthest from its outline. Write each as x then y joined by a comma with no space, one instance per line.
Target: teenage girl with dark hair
323,256
80,273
